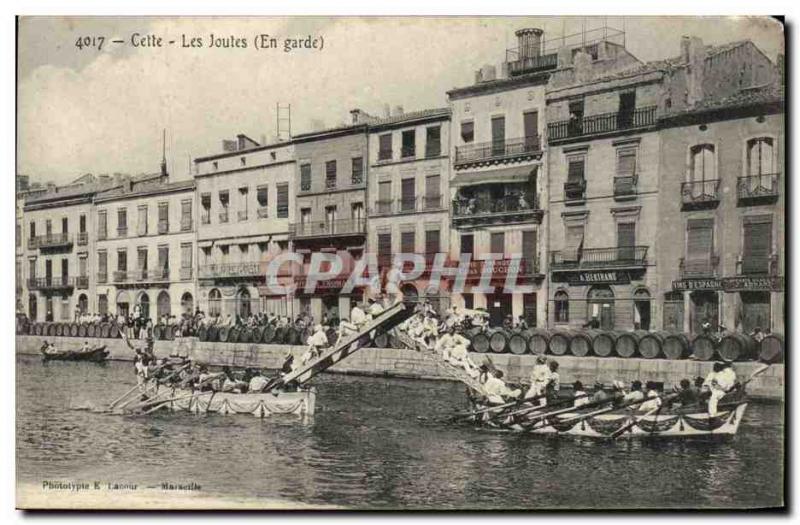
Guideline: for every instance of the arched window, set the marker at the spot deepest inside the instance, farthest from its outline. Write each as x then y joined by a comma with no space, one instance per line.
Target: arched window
123,303
243,303
760,164
214,303
162,305
32,306
83,303
601,306
143,301
703,163
187,303
561,302
641,309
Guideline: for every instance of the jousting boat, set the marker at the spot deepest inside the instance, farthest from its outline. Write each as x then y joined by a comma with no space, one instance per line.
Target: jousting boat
96,355
299,403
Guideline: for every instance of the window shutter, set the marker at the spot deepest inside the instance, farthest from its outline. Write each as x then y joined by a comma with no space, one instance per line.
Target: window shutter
432,186
575,173
467,244
498,243
407,190
432,241
384,244
757,244
407,241
700,238
626,163
529,250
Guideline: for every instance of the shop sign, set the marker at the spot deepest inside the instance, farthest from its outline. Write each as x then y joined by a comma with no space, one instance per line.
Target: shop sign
599,277
696,284
747,283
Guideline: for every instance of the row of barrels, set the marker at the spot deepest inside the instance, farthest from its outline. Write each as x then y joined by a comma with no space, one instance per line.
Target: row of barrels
106,330
271,334
640,343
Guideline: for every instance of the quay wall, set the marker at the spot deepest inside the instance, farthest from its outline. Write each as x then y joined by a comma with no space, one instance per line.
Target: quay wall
390,362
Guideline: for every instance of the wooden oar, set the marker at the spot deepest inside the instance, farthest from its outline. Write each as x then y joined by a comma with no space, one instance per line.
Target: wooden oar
129,392
528,410
493,408
156,383
541,417
635,420
541,420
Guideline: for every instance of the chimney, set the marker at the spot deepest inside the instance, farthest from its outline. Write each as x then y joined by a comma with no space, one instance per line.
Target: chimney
564,57
398,111
359,117
529,41
583,66
693,52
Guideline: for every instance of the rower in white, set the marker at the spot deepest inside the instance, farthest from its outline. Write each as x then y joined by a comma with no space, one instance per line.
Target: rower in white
540,376
496,389
316,342
718,383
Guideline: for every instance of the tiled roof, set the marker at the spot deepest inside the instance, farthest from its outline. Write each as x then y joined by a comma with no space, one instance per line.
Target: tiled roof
146,188
768,94
413,115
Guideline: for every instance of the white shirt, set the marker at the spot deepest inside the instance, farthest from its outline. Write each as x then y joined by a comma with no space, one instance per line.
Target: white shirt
540,374
358,316
318,339
375,309
257,384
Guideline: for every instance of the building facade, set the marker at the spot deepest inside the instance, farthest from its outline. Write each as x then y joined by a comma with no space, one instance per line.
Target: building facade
246,198
330,211
408,204
722,192
144,251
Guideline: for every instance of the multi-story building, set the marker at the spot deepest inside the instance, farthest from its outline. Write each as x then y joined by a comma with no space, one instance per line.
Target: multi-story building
722,190
497,181
330,210
246,204
57,244
408,204
603,151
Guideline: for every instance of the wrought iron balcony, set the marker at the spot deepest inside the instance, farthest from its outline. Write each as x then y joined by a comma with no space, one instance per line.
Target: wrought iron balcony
699,267
122,231
700,194
51,283
231,270
412,205
102,234
520,65
330,183
102,278
186,274
575,190
186,225
497,151
598,258
407,152
625,186
339,227
82,282
485,211
357,179
305,184
141,276
83,238
52,240
163,227
223,216
432,202
757,265
600,124
757,189
262,212
120,276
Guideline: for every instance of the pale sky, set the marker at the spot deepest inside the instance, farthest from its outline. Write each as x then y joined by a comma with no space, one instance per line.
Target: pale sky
84,111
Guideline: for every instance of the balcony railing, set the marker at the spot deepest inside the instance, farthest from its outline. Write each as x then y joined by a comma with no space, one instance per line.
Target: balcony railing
262,213
575,190
231,270
305,184
122,231
102,278
412,205
432,202
700,194
698,267
186,224
758,188
120,276
520,65
53,240
590,258
604,123
625,186
497,150
757,265
408,152
82,282
51,283
163,227
330,183
223,216
357,179
433,149
509,209
384,155
83,238
102,234
140,275
205,217
326,228
186,274
241,215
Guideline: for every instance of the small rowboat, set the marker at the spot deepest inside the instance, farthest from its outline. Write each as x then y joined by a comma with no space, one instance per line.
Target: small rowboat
300,403
96,355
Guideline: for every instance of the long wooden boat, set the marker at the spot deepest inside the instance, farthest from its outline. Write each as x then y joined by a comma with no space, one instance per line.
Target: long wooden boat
96,355
300,403
665,424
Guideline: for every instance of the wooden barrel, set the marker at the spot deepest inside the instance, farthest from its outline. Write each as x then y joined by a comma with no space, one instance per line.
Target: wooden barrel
498,340
539,342
245,335
604,342
202,333
704,347
294,335
582,343
267,334
676,346
105,330
167,333
518,343
771,349
651,346
213,333
559,341
82,330
737,347
59,329
480,342
628,343
91,330
158,332
223,334
382,340
234,333
73,330
280,334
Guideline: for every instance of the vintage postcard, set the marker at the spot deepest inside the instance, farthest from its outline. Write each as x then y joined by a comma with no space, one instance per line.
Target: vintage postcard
408,263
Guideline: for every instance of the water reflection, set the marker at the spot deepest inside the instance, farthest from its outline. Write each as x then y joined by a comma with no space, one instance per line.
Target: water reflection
377,443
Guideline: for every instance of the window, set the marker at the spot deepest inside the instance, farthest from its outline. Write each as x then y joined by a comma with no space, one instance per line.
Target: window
141,262
141,225
384,203
102,303
223,202
330,218
33,226
48,227
467,244
529,251
82,266
755,311
385,147
205,204
357,212
263,201
626,162
467,132
384,248
575,125
214,303
573,242
433,195
601,306
122,260
760,157
575,186
561,307
497,243
163,217
102,266
409,143
469,300
330,175
530,124
82,224
627,108
186,215
529,309
498,135
305,177
243,194
32,269
64,225
358,171
641,309
283,200
122,222
702,166
626,241
407,194
757,244
699,246
305,215
432,241
407,242
163,262
433,141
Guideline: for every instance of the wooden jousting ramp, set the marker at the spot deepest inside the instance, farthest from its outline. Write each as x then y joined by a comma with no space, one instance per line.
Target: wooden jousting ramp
385,321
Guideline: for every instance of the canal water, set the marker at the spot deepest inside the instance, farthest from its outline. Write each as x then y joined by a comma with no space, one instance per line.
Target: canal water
376,443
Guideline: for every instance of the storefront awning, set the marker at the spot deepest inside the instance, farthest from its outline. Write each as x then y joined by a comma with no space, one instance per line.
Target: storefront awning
506,175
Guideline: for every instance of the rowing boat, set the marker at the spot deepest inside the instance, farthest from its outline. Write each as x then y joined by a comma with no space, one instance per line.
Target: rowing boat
96,355
300,403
